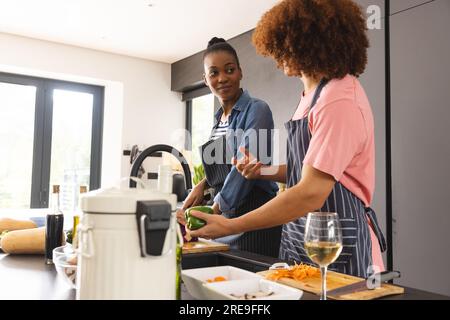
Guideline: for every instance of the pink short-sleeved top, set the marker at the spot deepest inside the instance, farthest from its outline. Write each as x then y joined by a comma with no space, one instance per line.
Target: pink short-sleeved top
342,128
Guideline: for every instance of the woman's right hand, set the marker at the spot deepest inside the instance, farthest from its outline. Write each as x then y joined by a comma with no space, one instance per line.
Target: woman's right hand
248,166
194,198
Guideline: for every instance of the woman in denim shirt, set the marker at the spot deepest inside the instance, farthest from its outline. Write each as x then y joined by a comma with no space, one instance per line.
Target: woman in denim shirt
242,121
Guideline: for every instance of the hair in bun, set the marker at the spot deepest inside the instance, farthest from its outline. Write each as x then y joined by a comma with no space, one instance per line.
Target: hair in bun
215,40
220,44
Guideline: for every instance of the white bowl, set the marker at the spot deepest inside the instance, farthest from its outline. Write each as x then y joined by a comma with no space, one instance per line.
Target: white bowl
65,261
195,278
252,289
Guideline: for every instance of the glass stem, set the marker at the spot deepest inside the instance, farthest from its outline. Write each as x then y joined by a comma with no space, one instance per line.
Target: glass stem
323,271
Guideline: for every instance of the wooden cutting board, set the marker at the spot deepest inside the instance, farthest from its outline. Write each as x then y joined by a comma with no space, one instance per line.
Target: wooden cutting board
203,246
336,280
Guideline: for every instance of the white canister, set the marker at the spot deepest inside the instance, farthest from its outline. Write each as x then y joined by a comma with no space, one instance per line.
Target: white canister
110,264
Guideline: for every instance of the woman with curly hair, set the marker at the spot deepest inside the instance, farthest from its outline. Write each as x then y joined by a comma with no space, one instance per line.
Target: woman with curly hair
331,145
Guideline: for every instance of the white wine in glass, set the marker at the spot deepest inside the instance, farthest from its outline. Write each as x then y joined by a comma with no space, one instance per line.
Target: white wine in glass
323,242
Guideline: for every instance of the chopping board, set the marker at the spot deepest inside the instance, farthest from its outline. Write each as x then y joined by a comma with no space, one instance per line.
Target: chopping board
203,246
336,280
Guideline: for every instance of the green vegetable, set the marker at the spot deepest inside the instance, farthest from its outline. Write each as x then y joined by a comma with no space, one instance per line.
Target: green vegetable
69,235
194,223
199,174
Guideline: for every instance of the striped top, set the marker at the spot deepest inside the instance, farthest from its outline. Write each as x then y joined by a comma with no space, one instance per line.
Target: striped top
220,131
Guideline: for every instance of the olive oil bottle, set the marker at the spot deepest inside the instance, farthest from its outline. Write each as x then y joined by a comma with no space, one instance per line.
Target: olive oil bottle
76,218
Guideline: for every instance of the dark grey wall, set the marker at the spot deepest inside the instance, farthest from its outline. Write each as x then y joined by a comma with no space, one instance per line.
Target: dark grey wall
420,48
399,5
186,74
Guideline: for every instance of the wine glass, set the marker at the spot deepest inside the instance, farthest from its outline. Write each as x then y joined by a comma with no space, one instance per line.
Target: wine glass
323,242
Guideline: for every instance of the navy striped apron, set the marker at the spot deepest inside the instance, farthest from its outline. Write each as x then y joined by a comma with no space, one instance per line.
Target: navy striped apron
266,241
356,256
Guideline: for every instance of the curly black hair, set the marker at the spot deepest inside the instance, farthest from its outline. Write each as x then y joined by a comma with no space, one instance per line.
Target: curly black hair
316,37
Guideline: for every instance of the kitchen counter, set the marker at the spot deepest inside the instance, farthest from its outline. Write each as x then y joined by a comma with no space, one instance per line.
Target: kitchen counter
27,277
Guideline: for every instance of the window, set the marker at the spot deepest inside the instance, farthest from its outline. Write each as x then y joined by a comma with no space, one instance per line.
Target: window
17,103
50,133
71,143
200,120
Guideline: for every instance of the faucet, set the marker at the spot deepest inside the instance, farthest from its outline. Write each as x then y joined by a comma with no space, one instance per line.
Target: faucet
161,148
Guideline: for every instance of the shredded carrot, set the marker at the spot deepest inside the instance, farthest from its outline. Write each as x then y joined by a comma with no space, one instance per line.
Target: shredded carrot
216,279
296,272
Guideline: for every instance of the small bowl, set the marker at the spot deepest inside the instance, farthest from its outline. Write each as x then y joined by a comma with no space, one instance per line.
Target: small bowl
251,289
65,261
194,279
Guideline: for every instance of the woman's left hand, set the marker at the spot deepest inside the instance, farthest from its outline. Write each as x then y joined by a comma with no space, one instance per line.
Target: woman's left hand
216,226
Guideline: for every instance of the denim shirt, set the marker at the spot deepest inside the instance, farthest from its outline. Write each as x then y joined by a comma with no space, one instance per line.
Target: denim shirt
247,118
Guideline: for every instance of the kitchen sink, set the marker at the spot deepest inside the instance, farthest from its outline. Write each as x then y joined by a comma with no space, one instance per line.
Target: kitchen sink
239,259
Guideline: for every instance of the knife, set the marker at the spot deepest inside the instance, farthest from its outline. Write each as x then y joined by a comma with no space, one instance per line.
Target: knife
370,283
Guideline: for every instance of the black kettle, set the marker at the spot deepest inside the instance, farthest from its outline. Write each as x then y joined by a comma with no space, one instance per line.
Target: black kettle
178,187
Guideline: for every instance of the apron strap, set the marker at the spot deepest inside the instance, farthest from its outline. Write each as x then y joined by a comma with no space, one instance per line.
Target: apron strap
376,228
316,96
